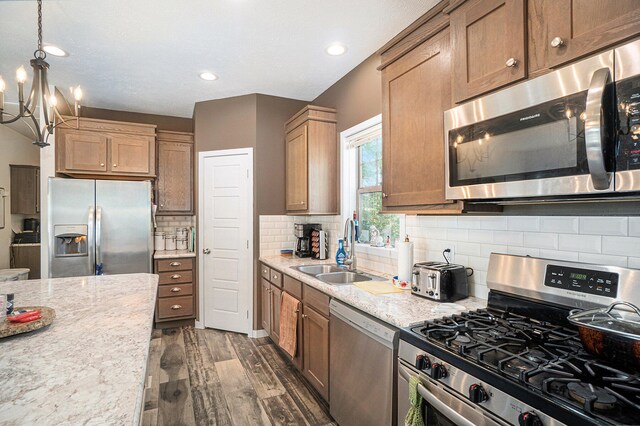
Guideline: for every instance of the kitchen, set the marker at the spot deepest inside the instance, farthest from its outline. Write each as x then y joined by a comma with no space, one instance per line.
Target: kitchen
507,248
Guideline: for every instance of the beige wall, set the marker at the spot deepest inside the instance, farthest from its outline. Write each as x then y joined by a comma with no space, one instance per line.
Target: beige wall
14,149
357,96
164,122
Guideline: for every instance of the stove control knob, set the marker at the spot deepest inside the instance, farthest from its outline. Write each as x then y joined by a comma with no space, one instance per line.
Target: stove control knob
529,419
438,371
477,393
422,362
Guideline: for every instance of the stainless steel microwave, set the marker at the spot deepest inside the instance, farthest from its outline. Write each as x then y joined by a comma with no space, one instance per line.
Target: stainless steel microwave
571,133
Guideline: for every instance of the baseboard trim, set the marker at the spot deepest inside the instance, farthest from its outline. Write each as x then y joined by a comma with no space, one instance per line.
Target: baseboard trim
256,334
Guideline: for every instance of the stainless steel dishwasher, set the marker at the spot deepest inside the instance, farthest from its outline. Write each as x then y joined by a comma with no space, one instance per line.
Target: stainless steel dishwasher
363,370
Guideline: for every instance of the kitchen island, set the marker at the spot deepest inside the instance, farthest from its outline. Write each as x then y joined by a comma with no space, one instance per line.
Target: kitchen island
88,367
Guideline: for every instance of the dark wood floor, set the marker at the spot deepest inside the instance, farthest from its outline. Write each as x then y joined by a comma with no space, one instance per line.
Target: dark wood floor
210,377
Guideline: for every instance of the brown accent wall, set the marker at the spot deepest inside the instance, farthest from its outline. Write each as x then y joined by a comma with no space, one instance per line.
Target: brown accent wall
164,122
357,96
251,121
272,113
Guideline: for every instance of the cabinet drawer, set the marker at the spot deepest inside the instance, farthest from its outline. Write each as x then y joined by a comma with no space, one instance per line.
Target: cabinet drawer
181,264
276,278
293,286
172,307
317,299
265,271
175,290
175,277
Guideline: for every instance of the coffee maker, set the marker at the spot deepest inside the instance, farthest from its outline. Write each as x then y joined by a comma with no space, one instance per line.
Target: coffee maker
303,231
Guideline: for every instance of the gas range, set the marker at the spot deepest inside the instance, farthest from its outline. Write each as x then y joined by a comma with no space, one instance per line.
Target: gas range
519,361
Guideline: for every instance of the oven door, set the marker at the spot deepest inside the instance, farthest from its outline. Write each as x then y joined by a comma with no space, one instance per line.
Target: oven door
550,136
440,406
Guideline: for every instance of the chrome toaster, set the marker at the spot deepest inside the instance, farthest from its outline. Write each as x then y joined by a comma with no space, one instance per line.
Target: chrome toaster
443,282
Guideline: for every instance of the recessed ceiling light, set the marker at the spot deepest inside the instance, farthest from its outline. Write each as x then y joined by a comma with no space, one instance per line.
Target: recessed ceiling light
336,49
54,50
208,76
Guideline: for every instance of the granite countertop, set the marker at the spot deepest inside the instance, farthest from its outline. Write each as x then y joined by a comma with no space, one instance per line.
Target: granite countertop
398,309
173,254
88,367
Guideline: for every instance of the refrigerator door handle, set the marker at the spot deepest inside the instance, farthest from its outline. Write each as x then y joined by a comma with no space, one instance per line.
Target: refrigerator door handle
98,240
91,240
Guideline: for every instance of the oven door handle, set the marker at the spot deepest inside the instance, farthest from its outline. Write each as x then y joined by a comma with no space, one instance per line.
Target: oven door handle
449,412
594,133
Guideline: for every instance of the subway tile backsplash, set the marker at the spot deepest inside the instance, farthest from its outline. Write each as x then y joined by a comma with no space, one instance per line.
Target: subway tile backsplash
606,240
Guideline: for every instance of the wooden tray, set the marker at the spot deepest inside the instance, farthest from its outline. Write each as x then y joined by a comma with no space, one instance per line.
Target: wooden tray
9,329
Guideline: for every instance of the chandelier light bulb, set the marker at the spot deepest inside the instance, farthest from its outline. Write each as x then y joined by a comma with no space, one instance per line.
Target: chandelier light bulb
21,75
77,94
2,85
53,101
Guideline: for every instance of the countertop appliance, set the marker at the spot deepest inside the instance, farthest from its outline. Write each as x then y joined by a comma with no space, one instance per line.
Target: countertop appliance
360,345
30,232
99,227
302,232
572,133
520,361
444,282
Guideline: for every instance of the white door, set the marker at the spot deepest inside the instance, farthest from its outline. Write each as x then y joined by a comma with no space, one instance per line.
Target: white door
227,225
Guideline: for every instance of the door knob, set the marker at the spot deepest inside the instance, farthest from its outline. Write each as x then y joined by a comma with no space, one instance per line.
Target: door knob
557,42
206,251
511,62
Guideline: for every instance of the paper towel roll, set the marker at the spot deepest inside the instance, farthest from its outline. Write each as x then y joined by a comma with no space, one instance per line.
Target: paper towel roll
405,261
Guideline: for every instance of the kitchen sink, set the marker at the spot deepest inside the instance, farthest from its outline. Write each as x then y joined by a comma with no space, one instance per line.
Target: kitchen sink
314,270
344,277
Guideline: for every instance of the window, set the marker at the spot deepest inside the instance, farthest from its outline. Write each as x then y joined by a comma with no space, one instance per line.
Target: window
365,148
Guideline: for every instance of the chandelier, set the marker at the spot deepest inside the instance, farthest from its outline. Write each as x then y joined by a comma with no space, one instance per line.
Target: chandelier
39,94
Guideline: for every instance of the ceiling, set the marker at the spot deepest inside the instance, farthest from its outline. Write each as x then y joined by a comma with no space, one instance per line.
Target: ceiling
146,55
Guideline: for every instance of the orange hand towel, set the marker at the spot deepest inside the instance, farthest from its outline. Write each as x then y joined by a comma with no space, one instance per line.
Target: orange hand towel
289,308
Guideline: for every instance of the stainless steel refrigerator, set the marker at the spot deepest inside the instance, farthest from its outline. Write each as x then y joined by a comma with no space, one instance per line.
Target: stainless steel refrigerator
99,227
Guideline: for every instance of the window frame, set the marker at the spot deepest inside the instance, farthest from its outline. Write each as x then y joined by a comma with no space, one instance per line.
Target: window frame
350,177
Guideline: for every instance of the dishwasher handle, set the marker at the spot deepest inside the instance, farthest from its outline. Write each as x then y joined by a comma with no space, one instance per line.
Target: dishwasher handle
383,334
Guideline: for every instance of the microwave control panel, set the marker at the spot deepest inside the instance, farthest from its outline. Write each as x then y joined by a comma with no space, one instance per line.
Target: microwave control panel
628,94
588,281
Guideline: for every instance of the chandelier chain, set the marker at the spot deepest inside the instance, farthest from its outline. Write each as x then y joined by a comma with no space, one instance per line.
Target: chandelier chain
40,53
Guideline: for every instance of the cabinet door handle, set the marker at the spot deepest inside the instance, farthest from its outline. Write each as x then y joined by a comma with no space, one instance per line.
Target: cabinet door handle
384,195
557,42
305,316
176,307
175,264
115,165
176,289
511,62
176,276
101,164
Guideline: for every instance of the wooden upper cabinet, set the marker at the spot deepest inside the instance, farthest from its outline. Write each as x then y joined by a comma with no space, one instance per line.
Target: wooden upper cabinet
25,190
563,30
489,46
311,175
132,154
297,169
83,151
416,90
91,147
175,173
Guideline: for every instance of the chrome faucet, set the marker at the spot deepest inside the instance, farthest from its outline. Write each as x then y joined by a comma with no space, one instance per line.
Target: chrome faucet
350,244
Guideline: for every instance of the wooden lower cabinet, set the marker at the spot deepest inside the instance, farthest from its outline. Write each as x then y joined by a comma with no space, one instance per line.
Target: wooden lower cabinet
316,350
176,289
276,294
26,256
266,305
